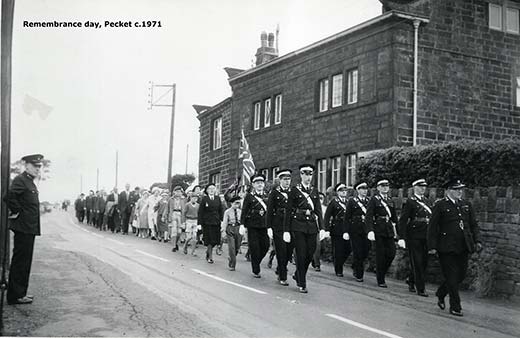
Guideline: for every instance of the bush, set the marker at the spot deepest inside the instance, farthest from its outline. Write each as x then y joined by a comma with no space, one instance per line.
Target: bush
476,163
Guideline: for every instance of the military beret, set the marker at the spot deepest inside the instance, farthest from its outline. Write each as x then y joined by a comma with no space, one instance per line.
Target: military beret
361,185
420,182
340,186
454,184
35,159
284,173
257,177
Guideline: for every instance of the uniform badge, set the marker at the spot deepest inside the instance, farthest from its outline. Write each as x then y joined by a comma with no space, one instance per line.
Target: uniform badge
308,212
261,212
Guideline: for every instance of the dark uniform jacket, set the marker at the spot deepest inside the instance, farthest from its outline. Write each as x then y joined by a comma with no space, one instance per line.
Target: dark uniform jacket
210,211
453,227
277,209
302,216
132,200
414,219
22,199
89,201
99,204
253,212
378,220
355,216
79,204
334,219
123,201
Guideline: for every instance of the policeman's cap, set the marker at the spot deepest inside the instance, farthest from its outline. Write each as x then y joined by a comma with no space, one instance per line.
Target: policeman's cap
306,168
383,183
454,184
420,182
35,159
340,186
284,173
257,178
361,185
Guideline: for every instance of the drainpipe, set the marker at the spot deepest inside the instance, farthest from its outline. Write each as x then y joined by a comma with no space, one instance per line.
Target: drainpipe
416,24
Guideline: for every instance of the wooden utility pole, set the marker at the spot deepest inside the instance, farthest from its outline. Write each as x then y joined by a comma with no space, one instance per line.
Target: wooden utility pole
187,149
97,179
117,166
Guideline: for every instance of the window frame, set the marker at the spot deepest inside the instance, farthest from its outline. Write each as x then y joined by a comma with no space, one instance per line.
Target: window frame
278,109
500,26
218,183
321,175
517,91
274,172
257,115
323,92
217,145
335,87
267,112
352,86
335,170
265,172
504,9
350,168
506,26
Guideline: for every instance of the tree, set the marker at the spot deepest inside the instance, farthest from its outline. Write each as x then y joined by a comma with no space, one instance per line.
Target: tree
18,167
182,180
159,185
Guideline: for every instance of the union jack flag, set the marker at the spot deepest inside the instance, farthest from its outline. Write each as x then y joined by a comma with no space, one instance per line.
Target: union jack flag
248,166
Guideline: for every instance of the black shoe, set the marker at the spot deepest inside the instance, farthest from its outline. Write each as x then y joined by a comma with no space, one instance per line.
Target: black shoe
317,269
457,313
422,293
296,279
440,303
210,261
411,288
303,290
382,285
22,300
339,274
256,275
283,282
174,249
359,279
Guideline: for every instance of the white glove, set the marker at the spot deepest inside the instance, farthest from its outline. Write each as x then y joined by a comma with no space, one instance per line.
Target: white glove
324,234
199,227
371,236
346,236
287,237
241,230
401,243
270,233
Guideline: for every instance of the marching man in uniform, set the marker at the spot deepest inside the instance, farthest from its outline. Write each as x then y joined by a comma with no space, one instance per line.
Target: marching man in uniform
415,215
304,221
453,234
275,219
254,209
356,228
380,221
334,222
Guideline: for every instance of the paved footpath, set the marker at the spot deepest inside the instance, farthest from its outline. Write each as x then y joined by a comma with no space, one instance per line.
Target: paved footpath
91,283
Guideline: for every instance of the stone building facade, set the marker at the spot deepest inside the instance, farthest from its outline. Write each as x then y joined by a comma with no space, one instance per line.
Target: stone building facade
338,99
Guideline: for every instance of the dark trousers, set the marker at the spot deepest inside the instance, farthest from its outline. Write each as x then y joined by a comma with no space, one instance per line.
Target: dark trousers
453,266
418,252
234,239
385,253
305,246
316,258
283,254
340,251
20,266
101,216
125,220
360,248
88,216
258,243
80,214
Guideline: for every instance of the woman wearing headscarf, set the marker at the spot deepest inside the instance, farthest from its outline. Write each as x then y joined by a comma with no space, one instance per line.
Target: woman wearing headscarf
210,216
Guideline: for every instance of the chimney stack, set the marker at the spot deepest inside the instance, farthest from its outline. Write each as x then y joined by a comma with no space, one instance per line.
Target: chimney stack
267,50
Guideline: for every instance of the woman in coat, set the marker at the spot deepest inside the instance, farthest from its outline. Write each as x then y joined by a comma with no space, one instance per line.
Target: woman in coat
152,212
210,216
142,214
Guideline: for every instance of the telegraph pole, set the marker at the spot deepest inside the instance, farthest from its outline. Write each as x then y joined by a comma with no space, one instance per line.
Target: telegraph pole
80,184
187,148
156,103
117,165
97,180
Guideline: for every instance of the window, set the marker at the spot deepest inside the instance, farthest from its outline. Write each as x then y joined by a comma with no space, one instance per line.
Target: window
336,167
217,133
265,172
256,117
322,175
504,18
267,113
274,172
278,109
495,16
352,88
518,91
324,95
512,17
337,90
216,179
351,170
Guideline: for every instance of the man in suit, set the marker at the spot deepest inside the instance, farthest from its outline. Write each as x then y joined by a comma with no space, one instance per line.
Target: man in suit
275,220
79,206
24,207
356,228
334,222
124,203
89,205
415,215
453,234
380,221
304,221
132,201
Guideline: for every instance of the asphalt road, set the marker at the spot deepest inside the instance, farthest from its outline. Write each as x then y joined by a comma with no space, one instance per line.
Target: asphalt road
209,300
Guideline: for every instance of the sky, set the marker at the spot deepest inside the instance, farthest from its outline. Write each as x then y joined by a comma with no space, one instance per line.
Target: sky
95,81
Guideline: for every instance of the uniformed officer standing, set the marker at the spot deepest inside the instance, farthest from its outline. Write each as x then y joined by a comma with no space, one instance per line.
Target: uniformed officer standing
356,228
275,220
254,209
413,223
453,233
380,221
334,222
304,221
24,206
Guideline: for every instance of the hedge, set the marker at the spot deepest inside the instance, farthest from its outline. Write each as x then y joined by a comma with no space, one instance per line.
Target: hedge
476,163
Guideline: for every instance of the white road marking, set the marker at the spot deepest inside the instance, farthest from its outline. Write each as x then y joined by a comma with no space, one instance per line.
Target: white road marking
116,241
229,282
153,256
97,235
362,326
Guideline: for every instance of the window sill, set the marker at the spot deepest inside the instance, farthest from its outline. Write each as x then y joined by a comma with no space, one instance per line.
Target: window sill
263,129
343,108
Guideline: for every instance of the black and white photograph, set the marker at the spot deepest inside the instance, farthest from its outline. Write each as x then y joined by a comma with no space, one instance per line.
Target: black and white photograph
261,168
